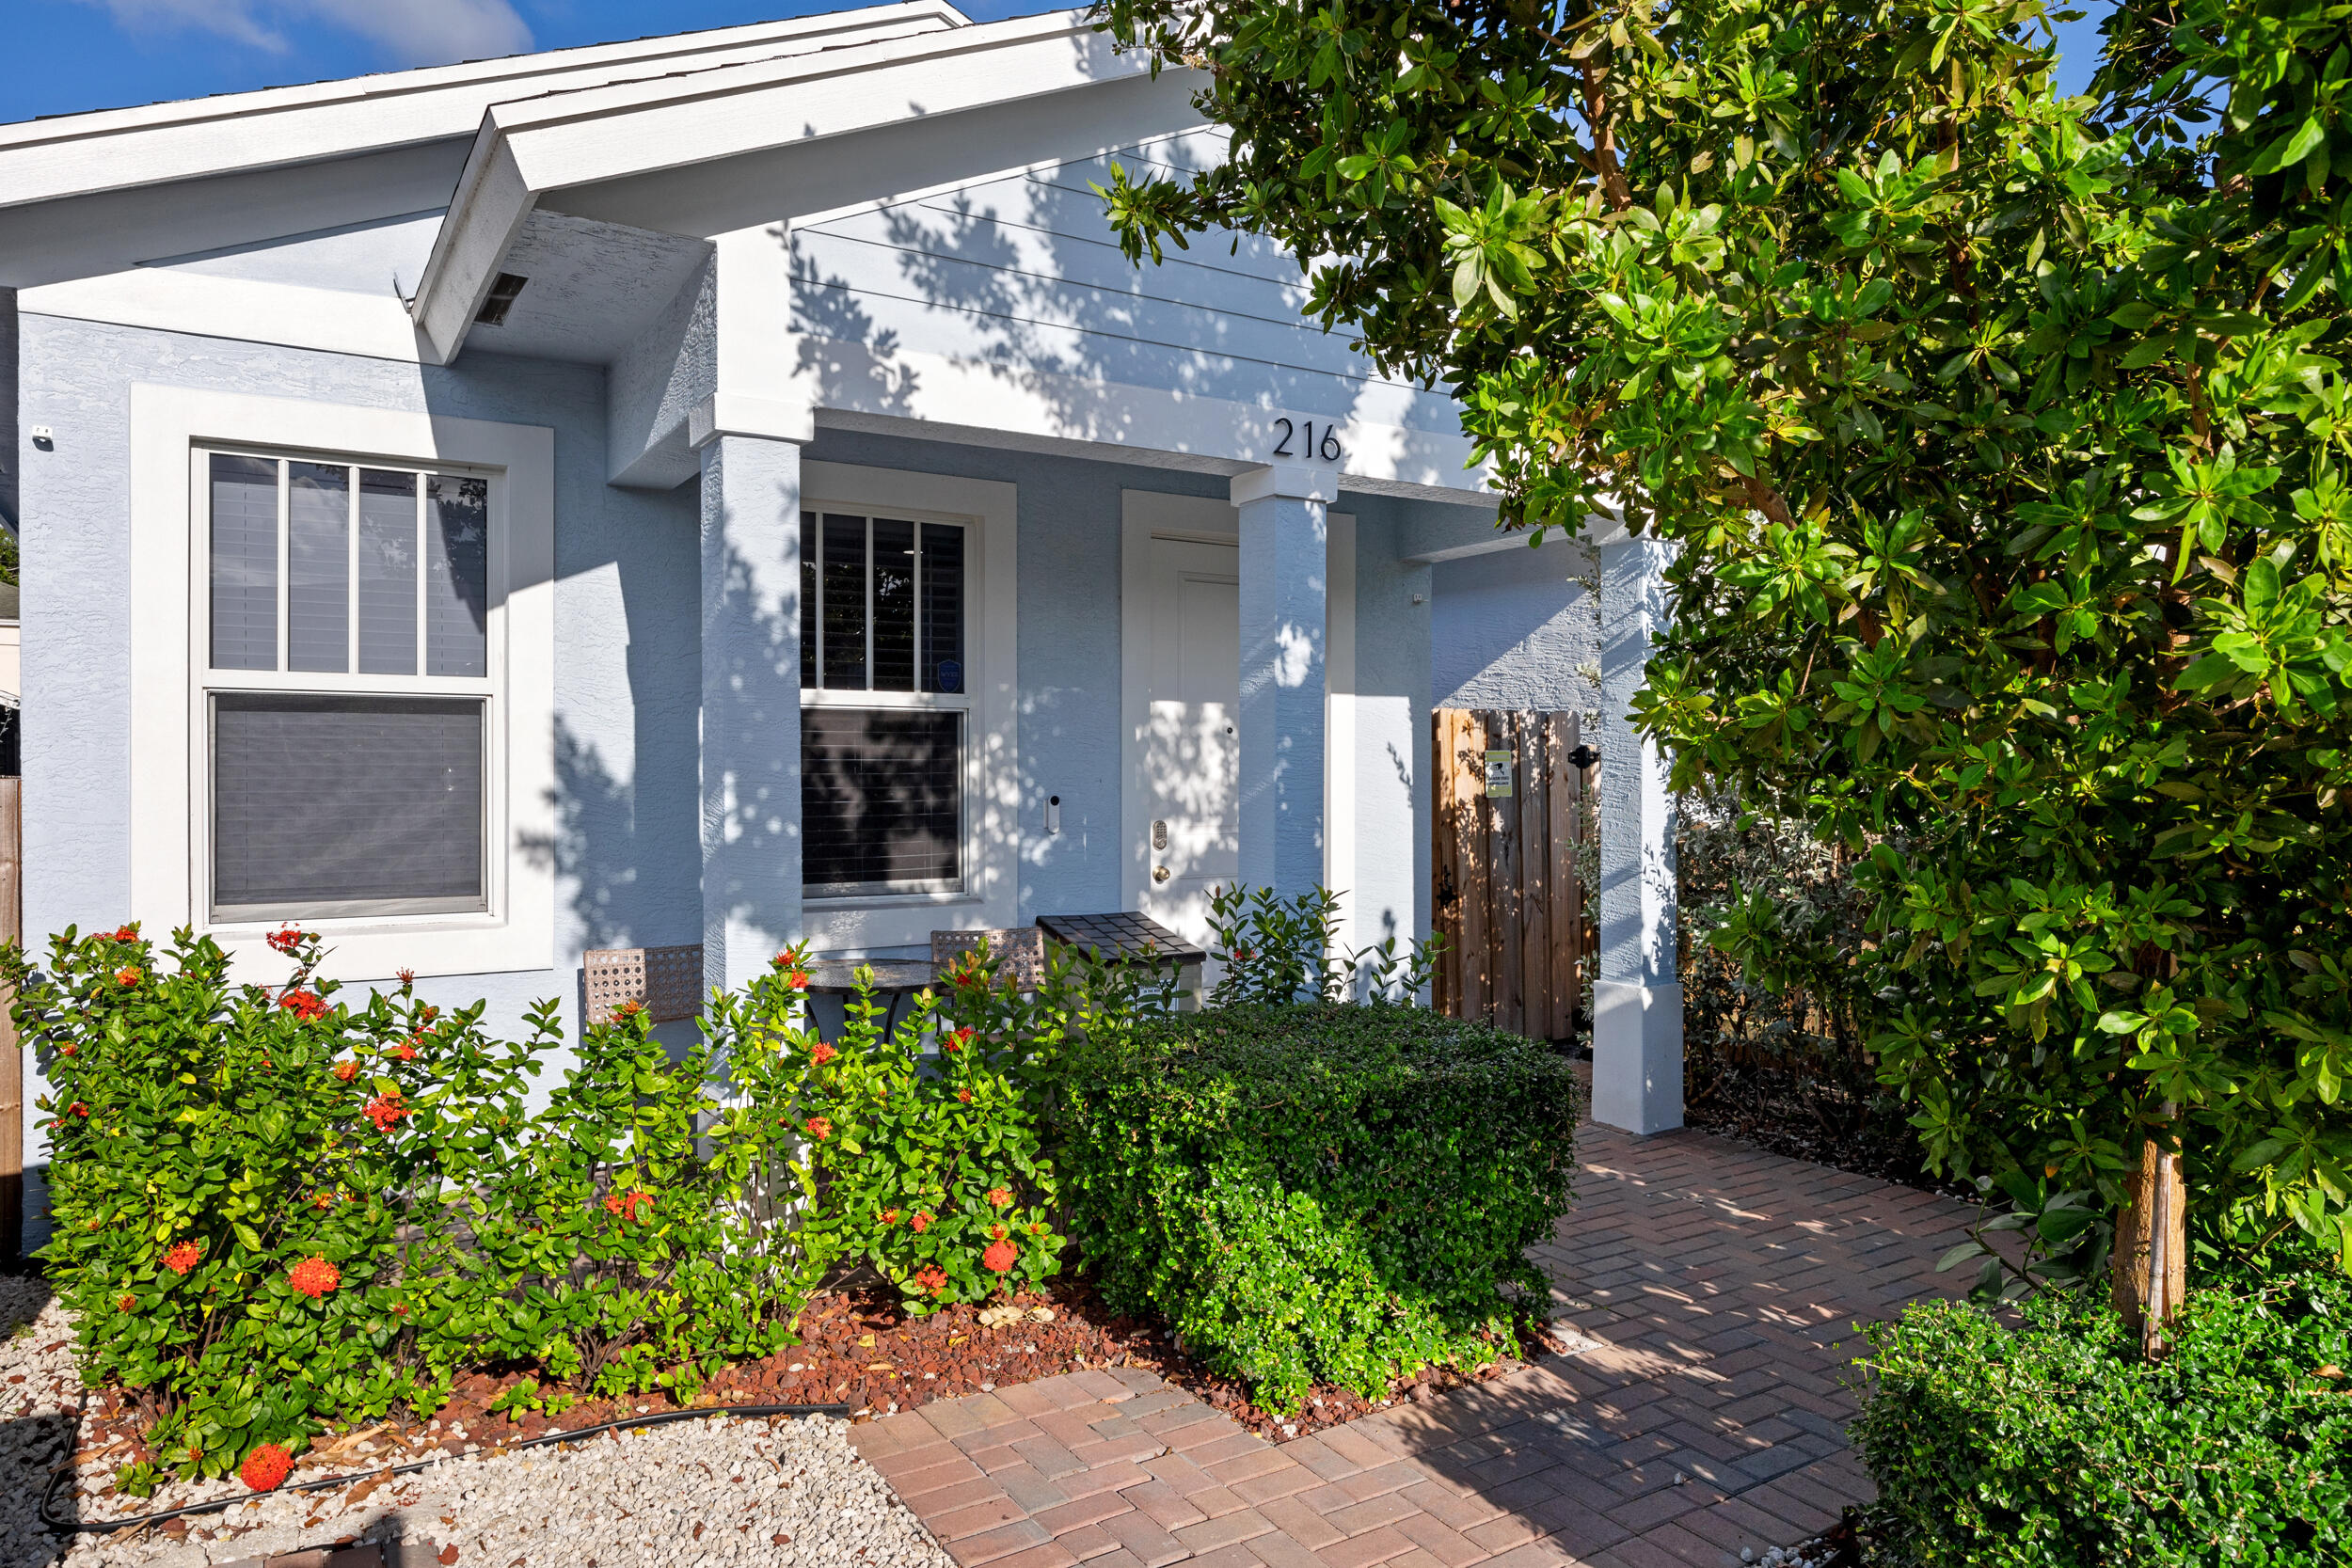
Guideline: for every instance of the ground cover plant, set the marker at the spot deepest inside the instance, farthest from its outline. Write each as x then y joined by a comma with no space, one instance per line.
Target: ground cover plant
2002,441
1311,1189
2051,1443
274,1209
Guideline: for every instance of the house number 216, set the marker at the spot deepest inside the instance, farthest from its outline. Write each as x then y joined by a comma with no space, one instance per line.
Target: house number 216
1303,432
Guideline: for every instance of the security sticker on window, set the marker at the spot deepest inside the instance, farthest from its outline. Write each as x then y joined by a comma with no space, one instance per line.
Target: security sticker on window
1497,775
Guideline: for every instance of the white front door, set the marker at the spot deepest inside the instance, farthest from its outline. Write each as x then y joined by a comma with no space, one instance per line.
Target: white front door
1190,748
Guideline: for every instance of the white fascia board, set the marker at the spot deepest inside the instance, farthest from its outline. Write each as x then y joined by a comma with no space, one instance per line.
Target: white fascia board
492,204
247,310
996,405
43,160
634,128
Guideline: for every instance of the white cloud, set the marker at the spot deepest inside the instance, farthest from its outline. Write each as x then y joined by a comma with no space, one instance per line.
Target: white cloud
410,32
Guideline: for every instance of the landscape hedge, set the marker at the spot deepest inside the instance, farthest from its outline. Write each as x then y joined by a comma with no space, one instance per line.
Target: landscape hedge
2053,1444
275,1208
1318,1193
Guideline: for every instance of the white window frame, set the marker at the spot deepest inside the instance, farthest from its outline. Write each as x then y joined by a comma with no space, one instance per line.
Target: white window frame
285,681
173,432
988,896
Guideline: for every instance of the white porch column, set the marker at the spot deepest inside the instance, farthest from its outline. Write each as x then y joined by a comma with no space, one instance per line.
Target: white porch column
1284,529
750,703
1637,996
747,435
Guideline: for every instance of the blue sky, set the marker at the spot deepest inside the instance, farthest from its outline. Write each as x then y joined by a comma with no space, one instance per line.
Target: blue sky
66,55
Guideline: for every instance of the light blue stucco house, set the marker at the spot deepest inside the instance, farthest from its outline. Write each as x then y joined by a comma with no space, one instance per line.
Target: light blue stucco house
729,488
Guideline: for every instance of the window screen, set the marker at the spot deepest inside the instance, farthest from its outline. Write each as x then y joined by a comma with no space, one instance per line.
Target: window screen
400,552
327,806
245,562
881,798
882,604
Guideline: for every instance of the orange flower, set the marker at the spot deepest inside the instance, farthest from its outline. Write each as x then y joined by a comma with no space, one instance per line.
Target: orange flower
405,976
822,1053
399,1309
286,939
996,1232
126,977
629,1009
322,1200
304,1005
931,1279
958,1040
1000,1197
264,1469
126,933
890,1217
921,1222
1000,1257
626,1206
406,1051
819,1127
125,1302
183,1258
69,1049
384,1110
346,1071
797,980
314,1278
964,1094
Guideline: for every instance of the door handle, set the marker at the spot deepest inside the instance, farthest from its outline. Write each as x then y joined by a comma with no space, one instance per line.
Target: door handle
1161,874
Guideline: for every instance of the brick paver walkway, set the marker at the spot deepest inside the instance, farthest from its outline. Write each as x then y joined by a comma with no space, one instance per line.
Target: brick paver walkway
1723,1284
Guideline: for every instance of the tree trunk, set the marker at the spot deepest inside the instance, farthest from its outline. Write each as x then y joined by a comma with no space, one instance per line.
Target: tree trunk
2149,1271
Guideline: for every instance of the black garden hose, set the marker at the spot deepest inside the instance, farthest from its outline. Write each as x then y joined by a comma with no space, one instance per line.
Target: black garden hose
63,1479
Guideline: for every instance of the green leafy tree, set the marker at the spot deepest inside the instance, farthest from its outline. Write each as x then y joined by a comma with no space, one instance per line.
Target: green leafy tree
2005,440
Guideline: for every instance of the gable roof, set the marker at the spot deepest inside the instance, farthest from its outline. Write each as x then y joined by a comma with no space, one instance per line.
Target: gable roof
709,150
60,156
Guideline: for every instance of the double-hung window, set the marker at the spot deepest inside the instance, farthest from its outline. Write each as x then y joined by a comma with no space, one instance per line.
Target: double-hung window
349,686
885,715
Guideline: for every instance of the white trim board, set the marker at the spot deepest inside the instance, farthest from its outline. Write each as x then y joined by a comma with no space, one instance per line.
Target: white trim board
992,766
167,755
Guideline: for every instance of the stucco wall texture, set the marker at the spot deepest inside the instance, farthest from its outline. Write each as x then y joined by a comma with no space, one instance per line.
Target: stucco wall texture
1517,629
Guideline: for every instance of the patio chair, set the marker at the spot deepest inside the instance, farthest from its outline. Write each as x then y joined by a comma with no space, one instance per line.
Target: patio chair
1019,952
666,981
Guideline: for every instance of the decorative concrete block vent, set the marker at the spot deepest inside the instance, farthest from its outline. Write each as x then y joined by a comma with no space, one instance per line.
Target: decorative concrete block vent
1019,952
666,981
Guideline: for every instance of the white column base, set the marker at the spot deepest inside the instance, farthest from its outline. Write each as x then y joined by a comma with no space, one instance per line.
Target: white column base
1637,1056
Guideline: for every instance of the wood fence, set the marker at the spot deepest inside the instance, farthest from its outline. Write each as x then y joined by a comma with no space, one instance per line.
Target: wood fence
1512,811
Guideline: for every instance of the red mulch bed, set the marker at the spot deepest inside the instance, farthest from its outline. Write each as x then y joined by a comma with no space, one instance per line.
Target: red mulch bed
859,1349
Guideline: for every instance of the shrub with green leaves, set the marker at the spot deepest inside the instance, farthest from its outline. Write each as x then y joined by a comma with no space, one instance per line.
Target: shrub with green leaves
1314,1192
2055,1445
274,1209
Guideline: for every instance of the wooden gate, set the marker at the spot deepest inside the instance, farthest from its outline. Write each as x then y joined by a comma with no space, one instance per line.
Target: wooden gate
1509,901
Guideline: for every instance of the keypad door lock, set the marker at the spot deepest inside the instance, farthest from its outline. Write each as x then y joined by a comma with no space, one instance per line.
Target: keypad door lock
1159,835
1161,874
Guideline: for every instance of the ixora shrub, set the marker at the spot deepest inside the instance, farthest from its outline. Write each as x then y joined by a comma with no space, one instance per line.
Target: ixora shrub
919,1151
274,1209
1317,1191
2055,1444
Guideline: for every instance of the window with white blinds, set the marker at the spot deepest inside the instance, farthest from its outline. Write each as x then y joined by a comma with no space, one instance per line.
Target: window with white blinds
884,702
347,704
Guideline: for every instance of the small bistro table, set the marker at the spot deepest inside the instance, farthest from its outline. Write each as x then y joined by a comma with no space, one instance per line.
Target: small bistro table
894,981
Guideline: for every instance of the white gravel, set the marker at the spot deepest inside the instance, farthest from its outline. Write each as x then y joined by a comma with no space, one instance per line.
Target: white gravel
787,1492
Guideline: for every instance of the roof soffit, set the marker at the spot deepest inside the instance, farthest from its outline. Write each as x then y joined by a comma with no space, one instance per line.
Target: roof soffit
611,136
